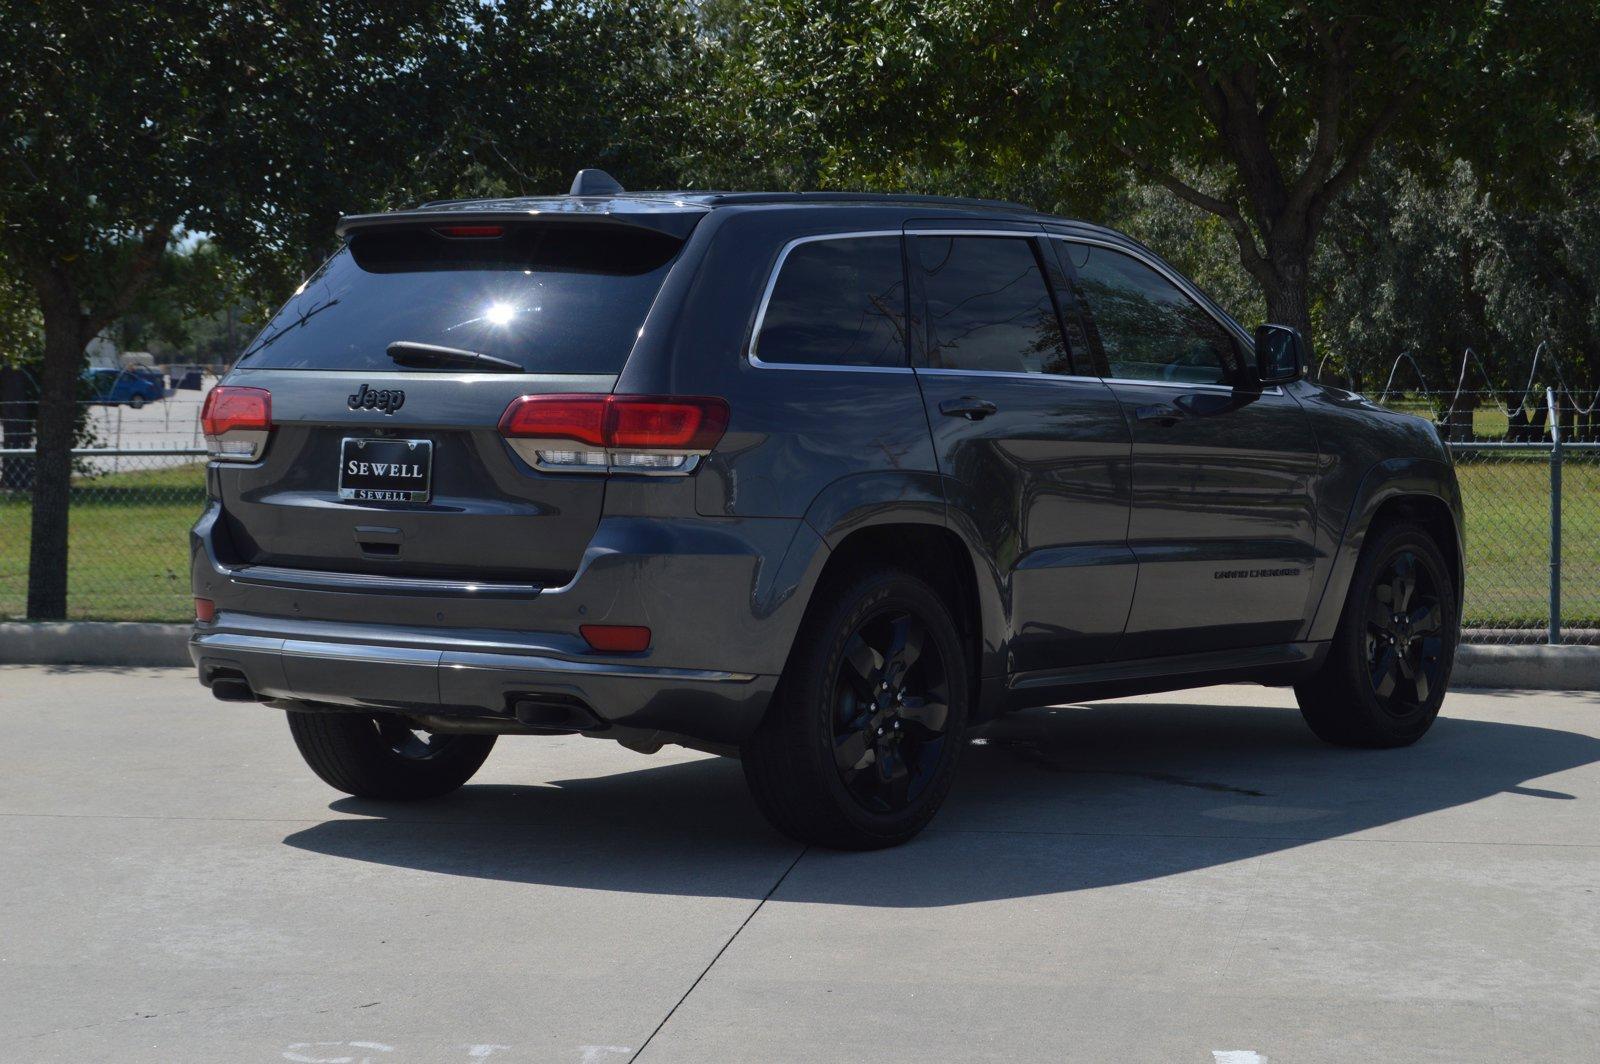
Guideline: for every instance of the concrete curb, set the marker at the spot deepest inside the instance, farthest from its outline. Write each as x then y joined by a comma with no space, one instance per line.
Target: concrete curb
1534,668
1539,668
126,643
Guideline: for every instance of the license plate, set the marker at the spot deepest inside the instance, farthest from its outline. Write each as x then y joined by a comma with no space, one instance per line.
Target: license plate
386,470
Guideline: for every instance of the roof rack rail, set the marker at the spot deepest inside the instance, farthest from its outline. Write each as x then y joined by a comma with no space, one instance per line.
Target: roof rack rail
861,197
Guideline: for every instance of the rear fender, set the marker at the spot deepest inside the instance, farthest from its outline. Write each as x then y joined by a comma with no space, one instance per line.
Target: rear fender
901,497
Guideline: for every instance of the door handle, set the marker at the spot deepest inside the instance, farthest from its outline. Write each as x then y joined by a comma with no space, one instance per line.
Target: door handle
968,407
1161,413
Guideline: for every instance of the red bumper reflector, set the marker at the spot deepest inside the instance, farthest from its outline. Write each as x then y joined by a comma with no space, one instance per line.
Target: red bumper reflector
205,611
616,638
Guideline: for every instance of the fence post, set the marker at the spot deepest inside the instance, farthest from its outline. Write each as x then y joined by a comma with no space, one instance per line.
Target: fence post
1555,516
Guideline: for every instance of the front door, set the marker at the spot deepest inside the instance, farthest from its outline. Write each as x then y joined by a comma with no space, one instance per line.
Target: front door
1033,450
1222,522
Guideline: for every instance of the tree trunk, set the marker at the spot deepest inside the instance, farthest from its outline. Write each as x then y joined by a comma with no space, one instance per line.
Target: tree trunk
64,343
1288,303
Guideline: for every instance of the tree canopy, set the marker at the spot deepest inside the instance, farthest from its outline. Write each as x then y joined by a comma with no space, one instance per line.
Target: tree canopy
1262,113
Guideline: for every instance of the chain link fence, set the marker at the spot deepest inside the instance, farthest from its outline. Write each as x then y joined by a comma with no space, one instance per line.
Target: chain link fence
138,490
138,485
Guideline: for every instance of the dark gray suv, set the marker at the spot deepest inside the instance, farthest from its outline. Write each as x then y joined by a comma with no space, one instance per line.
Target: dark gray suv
817,480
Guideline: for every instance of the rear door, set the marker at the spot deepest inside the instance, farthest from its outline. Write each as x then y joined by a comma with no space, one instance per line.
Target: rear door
375,468
1031,444
1222,521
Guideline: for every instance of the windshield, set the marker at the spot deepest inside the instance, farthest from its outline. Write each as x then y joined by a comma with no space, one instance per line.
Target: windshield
553,298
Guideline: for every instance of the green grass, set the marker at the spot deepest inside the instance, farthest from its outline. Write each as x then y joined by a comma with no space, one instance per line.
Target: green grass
128,546
129,542
1507,501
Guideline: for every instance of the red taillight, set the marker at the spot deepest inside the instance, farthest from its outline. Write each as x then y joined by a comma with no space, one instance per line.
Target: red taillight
471,232
616,638
646,433
205,611
228,407
647,423
557,417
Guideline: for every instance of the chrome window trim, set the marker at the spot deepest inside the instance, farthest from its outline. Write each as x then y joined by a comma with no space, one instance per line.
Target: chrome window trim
1226,389
772,283
1172,276
941,371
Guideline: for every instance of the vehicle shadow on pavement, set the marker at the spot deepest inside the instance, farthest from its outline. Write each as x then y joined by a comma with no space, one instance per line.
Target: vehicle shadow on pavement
1045,801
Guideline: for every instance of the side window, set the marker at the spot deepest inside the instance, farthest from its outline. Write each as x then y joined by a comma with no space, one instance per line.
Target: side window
837,302
1149,329
989,307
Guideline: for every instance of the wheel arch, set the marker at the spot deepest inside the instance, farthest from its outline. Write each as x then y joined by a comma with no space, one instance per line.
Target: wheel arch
1420,490
858,527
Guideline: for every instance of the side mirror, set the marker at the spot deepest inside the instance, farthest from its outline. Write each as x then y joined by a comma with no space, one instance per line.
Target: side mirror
1280,354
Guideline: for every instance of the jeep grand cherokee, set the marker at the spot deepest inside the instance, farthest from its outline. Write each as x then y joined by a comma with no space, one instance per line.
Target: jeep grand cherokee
819,480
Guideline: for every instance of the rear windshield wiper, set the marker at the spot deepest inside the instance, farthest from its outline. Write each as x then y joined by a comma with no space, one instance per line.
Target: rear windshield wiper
431,356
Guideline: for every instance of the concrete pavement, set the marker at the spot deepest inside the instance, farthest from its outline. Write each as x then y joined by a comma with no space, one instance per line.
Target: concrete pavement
1186,877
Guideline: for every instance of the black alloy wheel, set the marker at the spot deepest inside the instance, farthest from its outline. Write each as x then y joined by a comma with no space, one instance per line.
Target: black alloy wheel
859,747
891,706
1405,634
1387,667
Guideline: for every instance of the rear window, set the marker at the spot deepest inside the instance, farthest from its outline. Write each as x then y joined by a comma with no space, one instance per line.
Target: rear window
564,298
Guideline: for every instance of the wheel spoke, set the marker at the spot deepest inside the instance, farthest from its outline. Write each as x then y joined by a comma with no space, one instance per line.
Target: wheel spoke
863,667
895,778
1383,672
1405,581
853,753
926,713
1420,682
1426,620
905,647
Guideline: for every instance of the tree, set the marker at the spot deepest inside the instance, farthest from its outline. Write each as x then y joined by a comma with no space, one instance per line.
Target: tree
1261,113
260,122
122,121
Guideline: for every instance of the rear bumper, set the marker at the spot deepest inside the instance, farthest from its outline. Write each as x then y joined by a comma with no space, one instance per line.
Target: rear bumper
481,675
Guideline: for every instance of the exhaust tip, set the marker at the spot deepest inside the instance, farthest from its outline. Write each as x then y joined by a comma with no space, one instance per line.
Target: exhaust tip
228,685
555,713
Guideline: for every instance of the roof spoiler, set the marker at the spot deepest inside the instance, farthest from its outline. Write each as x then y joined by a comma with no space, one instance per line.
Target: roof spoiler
674,220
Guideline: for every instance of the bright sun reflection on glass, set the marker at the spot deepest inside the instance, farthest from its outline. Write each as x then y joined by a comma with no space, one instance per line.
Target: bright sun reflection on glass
499,313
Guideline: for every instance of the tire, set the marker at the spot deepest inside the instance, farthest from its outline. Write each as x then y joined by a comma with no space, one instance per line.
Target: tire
859,746
137,402
1385,678
380,756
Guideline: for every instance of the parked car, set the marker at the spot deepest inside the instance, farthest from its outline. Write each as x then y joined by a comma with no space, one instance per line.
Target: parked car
132,387
820,480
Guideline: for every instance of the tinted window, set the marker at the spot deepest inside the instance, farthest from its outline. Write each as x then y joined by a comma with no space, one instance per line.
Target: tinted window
566,298
1149,329
838,302
989,307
